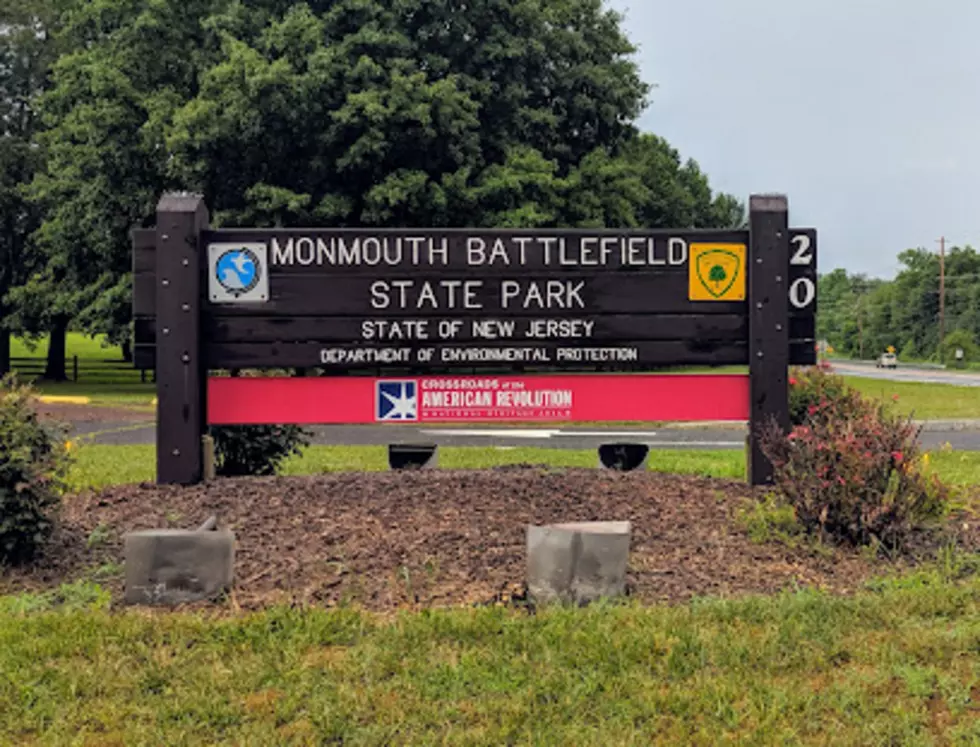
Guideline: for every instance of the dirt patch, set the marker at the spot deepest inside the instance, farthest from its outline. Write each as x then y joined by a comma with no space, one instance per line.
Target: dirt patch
72,413
388,540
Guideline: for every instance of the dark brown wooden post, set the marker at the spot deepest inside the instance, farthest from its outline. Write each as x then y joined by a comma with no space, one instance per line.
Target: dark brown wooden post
181,378
768,325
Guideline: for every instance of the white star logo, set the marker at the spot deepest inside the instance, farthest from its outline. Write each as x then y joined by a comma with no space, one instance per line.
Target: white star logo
402,406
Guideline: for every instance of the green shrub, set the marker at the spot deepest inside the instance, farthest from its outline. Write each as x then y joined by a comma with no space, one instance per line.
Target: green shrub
851,470
34,462
242,450
961,339
909,351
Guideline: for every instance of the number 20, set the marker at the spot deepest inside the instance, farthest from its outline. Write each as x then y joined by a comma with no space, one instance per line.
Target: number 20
802,290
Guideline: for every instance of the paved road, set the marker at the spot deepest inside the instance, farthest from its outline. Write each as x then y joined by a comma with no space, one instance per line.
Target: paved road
907,373
708,437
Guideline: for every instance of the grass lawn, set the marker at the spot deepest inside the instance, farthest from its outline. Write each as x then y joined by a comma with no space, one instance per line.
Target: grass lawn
102,377
88,348
895,664
98,465
923,401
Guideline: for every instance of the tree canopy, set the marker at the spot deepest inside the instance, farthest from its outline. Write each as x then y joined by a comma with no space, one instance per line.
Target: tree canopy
341,113
861,316
27,52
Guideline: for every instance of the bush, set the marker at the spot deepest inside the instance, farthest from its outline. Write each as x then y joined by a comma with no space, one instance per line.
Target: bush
963,340
815,393
909,351
33,465
851,470
242,450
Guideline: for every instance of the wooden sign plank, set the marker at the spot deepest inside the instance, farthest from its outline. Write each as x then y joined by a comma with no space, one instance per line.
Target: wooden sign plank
584,328
552,356
412,252
144,250
341,356
636,293
144,295
612,327
349,329
144,357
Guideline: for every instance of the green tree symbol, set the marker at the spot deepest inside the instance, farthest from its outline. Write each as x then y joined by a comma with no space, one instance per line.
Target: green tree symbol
717,275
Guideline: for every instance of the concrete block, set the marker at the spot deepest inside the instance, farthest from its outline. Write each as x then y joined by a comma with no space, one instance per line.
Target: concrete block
413,456
624,457
578,562
175,566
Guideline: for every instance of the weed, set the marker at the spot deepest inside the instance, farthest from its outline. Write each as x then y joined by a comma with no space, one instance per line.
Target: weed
770,520
106,571
99,536
69,597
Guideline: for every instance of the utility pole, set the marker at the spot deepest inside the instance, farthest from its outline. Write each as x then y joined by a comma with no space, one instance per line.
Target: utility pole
860,311
942,293
861,334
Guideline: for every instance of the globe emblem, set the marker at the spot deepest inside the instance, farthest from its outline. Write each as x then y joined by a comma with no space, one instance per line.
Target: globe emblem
237,270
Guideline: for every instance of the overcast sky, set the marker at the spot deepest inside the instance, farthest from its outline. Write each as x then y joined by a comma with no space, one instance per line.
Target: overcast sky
865,113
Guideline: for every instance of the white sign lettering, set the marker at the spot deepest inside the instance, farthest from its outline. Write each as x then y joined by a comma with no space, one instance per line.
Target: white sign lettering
586,251
426,294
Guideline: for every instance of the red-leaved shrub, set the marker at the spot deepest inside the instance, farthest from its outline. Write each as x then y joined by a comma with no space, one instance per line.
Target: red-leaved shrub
850,469
815,392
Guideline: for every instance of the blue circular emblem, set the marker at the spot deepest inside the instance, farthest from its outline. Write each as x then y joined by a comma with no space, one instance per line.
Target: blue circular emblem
237,271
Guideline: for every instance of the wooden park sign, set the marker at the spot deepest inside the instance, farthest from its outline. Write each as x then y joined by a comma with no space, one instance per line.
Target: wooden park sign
467,325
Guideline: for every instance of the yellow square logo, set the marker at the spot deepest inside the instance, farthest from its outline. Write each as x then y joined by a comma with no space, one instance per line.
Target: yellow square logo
716,272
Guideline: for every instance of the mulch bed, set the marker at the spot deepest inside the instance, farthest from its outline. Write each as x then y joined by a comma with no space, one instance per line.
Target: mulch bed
447,537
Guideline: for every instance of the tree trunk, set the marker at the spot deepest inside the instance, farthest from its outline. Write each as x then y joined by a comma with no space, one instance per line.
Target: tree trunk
127,351
4,352
55,370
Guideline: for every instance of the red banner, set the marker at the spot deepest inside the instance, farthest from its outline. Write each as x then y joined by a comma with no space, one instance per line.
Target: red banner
472,399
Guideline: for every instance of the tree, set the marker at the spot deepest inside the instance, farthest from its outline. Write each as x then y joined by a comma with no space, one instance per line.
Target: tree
903,312
126,66
343,113
412,114
27,51
678,193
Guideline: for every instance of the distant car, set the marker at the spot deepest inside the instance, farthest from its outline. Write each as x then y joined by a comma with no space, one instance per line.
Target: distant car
887,360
